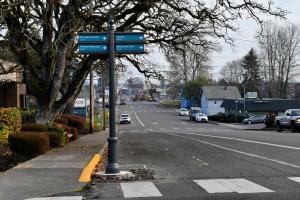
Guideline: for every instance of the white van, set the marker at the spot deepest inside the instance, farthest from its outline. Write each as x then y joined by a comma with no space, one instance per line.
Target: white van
193,112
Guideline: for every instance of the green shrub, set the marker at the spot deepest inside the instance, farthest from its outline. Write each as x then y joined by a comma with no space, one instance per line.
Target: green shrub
270,122
4,133
28,116
29,143
56,139
12,118
34,127
56,128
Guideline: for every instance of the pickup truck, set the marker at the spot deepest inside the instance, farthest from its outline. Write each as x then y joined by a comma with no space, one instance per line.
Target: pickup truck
290,120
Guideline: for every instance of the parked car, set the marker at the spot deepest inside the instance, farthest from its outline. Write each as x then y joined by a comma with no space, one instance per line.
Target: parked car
201,117
183,112
255,119
122,102
125,118
290,120
193,112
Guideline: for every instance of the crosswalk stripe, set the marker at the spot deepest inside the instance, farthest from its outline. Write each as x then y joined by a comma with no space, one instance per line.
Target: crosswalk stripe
231,185
140,189
58,198
296,179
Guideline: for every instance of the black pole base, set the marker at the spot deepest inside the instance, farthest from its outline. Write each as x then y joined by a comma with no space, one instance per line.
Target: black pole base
112,168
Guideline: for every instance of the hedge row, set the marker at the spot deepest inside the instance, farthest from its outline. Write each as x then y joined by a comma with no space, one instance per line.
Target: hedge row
29,143
12,118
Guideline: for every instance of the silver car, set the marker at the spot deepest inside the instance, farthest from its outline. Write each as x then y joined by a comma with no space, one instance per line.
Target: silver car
255,119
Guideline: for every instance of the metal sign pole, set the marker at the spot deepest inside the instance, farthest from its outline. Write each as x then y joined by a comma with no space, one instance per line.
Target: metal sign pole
112,166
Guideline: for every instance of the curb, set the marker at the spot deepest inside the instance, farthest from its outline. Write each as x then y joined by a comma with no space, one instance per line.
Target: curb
86,173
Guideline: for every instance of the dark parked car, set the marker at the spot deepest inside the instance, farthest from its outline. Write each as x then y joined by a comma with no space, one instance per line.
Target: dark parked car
255,119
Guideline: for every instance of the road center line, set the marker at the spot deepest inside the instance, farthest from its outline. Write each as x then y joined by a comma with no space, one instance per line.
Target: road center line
140,121
243,140
237,151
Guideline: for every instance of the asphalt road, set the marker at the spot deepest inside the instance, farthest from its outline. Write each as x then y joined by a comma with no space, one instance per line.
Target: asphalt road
202,160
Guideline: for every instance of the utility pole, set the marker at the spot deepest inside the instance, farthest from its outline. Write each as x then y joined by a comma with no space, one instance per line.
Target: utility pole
103,96
244,101
91,101
112,166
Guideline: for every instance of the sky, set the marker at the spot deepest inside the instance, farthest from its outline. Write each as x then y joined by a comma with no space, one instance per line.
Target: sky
245,39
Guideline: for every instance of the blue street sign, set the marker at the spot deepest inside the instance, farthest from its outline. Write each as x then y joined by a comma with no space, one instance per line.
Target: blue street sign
130,48
93,38
93,48
129,38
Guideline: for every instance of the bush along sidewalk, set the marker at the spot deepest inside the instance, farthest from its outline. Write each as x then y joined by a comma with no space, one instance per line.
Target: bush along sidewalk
22,139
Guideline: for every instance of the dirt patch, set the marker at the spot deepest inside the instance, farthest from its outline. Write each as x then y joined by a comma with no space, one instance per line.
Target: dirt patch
9,159
137,174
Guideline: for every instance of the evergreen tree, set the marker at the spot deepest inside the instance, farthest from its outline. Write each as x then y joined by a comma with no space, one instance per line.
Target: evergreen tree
251,66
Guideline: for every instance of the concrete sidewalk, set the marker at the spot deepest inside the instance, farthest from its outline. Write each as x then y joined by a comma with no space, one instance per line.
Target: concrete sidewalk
243,126
55,172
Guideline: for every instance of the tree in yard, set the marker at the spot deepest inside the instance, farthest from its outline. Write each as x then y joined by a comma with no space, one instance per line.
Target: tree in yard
189,63
280,51
251,71
192,89
233,72
42,36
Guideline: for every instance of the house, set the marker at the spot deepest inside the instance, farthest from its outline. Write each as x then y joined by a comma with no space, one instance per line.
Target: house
12,88
260,106
213,97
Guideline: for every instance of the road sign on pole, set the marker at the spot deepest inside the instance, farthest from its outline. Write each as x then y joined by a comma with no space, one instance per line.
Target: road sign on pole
108,44
93,48
93,38
129,48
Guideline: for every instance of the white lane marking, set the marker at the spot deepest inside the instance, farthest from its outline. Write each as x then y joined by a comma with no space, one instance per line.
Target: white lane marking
243,140
213,186
175,128
154,123
240,185
237,151
58,198
137,117
183,123
140,189
296,179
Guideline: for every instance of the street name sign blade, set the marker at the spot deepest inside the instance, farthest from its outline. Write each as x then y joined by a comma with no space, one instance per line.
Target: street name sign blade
93,48
129,48
93,38
129,38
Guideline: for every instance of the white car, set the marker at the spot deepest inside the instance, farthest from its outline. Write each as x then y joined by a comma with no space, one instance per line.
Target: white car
200,117
183,112
125,118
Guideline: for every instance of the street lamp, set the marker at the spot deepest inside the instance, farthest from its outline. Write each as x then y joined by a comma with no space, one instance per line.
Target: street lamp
236,111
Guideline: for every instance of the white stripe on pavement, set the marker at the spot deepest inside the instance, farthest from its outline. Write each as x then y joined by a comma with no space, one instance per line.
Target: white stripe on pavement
296,179
234,150
140,189
242,140
58,198
137,117
241,186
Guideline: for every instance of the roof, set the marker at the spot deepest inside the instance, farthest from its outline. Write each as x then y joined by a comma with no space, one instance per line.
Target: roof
265,105
10,71
221,92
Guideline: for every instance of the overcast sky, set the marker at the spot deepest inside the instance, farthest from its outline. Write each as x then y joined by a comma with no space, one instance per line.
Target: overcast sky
245,39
